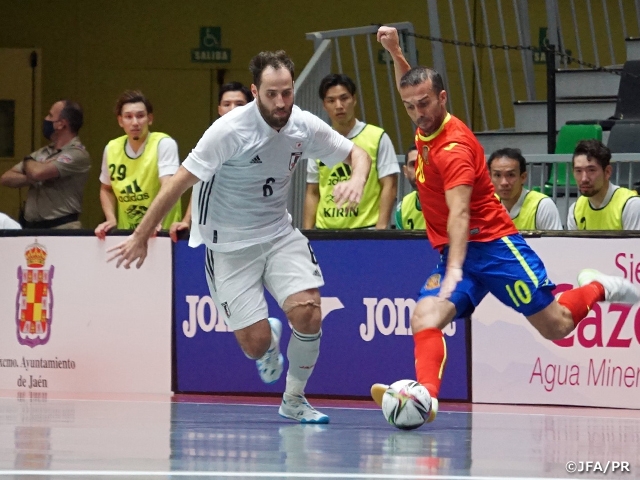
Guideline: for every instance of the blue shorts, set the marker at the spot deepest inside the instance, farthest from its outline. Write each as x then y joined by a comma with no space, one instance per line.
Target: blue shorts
506,267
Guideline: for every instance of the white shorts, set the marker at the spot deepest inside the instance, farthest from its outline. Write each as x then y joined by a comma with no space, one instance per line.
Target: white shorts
285,265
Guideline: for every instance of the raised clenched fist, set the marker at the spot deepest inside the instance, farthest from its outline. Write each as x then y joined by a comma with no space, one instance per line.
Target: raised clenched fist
388,37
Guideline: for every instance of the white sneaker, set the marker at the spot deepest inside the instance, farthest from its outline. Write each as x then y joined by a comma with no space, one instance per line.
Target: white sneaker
271,364
297,408
617,289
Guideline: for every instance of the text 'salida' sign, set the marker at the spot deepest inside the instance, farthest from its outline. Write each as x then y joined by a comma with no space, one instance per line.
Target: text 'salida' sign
210,49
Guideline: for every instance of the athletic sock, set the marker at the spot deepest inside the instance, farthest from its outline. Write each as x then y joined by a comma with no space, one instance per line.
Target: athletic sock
580,300
431,356
302,353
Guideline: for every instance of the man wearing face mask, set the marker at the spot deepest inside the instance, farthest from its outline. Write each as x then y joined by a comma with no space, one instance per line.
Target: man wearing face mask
56,174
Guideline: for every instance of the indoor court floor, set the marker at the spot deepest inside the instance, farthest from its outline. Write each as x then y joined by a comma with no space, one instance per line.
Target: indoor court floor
56,436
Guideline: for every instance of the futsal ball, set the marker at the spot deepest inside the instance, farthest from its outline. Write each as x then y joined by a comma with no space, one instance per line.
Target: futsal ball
406,404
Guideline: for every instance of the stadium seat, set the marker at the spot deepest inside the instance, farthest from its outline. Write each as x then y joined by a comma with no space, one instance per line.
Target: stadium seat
625,138
628,102
568,138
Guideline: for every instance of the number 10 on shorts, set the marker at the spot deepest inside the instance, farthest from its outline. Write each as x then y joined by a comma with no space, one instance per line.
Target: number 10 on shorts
519,293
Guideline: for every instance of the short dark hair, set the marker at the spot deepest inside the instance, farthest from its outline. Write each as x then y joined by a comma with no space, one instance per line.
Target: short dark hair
72,113
418,75
513,154
333,80
276,60
235,87
593,149
132,96
409,150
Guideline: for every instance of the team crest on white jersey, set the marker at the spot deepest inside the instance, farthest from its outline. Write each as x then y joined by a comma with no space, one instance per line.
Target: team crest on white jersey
295,156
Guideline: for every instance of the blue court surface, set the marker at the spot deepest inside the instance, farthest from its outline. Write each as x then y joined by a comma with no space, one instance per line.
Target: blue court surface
55,436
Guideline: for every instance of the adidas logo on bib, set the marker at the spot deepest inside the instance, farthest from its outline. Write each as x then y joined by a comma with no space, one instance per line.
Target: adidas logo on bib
256,159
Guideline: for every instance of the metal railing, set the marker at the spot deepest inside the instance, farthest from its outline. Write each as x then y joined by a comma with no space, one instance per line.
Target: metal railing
567,20
372,74
478,94
463,42
626,173
351,51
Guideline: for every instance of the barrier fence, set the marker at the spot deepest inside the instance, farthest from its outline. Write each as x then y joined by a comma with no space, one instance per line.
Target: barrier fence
103,329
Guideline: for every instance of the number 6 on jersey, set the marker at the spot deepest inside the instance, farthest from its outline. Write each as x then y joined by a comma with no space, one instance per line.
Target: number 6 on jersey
267,189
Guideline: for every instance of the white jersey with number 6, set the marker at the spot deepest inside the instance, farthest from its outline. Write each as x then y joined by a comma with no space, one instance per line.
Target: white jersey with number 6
246,167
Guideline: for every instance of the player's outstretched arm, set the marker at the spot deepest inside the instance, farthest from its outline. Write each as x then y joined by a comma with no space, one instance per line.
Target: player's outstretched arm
349,193
135,246
388,37
458,200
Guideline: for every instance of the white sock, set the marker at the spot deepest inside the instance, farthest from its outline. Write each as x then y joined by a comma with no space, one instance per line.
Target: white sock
302,353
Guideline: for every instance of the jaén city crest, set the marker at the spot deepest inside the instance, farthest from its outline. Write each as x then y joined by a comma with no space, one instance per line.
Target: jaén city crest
34,303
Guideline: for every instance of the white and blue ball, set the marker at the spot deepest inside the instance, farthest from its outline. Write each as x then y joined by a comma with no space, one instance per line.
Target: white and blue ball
406,404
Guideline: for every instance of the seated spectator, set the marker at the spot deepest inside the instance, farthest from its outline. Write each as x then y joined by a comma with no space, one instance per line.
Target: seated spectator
232,95
8,223
338,95
529,210
55,174
603,205
409,214
134,166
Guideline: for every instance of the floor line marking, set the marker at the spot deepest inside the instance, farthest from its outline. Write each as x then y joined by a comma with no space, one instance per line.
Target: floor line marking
381,476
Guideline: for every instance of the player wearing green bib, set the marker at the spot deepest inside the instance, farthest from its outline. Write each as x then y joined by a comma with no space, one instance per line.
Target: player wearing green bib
603,205
529,210
338,94
135,166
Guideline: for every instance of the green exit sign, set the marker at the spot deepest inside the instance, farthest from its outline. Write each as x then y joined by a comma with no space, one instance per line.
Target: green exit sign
210,49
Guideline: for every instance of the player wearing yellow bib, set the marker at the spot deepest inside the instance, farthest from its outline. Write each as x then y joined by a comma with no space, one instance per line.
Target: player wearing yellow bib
338,95
529,210
603,205
134,167
409,214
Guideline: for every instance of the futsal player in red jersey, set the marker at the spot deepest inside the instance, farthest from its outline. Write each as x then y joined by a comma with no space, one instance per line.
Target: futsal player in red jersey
481,250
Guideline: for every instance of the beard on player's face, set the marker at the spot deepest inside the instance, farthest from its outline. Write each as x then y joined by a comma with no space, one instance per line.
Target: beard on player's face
276,117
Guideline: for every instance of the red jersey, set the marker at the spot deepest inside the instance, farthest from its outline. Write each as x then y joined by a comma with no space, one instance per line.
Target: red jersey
450,157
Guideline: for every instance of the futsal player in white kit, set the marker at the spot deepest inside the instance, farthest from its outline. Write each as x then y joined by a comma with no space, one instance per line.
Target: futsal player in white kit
245,161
